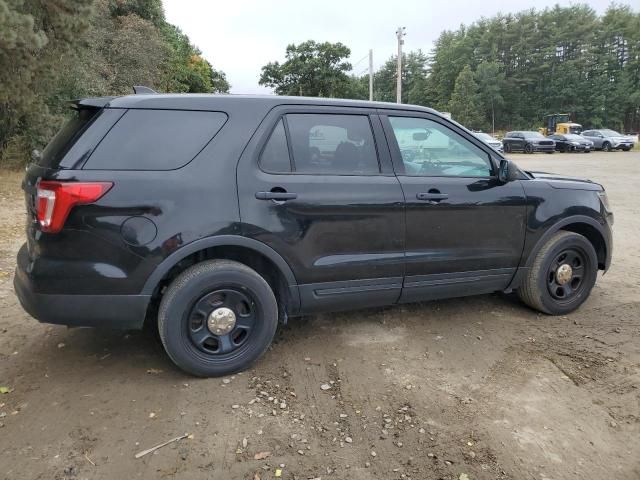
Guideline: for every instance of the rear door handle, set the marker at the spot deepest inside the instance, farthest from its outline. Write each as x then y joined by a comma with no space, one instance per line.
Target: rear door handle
432,197
280,196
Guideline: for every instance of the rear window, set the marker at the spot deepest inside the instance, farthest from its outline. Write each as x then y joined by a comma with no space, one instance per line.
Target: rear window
155,140
57,148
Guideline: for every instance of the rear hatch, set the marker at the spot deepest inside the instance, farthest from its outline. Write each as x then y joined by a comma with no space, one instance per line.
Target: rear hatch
55,158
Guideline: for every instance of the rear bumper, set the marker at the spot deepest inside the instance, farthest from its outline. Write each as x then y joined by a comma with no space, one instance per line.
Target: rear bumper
108,311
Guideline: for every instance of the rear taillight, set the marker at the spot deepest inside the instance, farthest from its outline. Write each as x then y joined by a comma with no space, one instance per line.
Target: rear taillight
54,200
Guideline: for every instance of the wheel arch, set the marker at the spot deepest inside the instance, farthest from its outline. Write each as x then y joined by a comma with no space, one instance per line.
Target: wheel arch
586,226
253,253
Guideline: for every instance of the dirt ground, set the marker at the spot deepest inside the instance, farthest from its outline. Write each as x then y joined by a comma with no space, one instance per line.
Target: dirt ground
481,387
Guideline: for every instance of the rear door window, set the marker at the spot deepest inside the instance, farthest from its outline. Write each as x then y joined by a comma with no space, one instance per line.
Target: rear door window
332,144
275,156
155,140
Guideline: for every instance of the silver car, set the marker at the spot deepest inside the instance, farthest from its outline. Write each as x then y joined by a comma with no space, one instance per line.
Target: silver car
489,140
608,140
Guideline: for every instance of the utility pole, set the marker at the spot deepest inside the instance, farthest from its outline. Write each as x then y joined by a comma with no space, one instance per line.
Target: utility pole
370,75
400,33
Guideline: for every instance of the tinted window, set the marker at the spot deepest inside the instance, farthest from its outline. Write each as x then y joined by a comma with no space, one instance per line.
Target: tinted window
332,144
275,156
66,137
431,149
155,140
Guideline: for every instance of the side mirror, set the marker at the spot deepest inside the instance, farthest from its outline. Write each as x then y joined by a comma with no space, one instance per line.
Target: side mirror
503,171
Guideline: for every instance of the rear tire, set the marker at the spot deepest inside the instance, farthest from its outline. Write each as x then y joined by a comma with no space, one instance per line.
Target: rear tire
507,148
542,288
197,304
606,147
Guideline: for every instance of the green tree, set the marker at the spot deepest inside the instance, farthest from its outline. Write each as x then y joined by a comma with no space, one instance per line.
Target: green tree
465,101
311,69
52,51
414,84
491,83
34,36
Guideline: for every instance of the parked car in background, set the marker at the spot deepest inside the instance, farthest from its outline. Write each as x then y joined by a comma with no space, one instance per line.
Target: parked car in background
493,142
571,142
527,142
609,140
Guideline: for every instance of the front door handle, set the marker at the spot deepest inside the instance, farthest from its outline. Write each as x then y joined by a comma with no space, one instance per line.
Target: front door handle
432,196
279,196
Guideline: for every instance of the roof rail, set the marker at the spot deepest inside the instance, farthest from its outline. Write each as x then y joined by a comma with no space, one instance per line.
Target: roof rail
142,90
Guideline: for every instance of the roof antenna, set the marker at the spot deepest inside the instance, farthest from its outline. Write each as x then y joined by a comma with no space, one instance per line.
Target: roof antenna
142,90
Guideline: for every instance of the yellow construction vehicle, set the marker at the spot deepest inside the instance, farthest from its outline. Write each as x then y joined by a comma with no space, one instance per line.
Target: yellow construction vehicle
559,123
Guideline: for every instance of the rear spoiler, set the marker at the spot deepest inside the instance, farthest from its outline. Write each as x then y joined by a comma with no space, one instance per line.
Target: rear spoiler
101,102
91,102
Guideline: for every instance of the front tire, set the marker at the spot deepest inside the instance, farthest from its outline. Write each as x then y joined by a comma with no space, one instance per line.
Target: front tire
528,148
217,317
507,148
562,274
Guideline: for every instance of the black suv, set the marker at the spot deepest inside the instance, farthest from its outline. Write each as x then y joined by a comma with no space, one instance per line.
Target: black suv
218,216
527,142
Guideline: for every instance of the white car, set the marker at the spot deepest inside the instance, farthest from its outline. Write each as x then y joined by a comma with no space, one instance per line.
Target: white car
491,141
608,140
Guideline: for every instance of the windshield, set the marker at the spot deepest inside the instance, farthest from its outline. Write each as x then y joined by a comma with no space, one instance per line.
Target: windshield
484,136
575,138
532,135
610,133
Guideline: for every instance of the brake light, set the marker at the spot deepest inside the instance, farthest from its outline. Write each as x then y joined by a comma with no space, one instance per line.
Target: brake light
54,200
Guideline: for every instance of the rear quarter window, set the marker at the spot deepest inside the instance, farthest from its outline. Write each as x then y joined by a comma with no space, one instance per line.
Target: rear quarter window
155,140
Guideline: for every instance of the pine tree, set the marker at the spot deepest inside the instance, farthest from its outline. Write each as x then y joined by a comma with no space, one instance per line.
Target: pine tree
465,101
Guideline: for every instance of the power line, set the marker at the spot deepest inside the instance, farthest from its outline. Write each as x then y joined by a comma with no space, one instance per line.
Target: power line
356,64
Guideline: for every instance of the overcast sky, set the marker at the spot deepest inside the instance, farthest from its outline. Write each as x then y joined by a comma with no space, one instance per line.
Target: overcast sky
240,36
